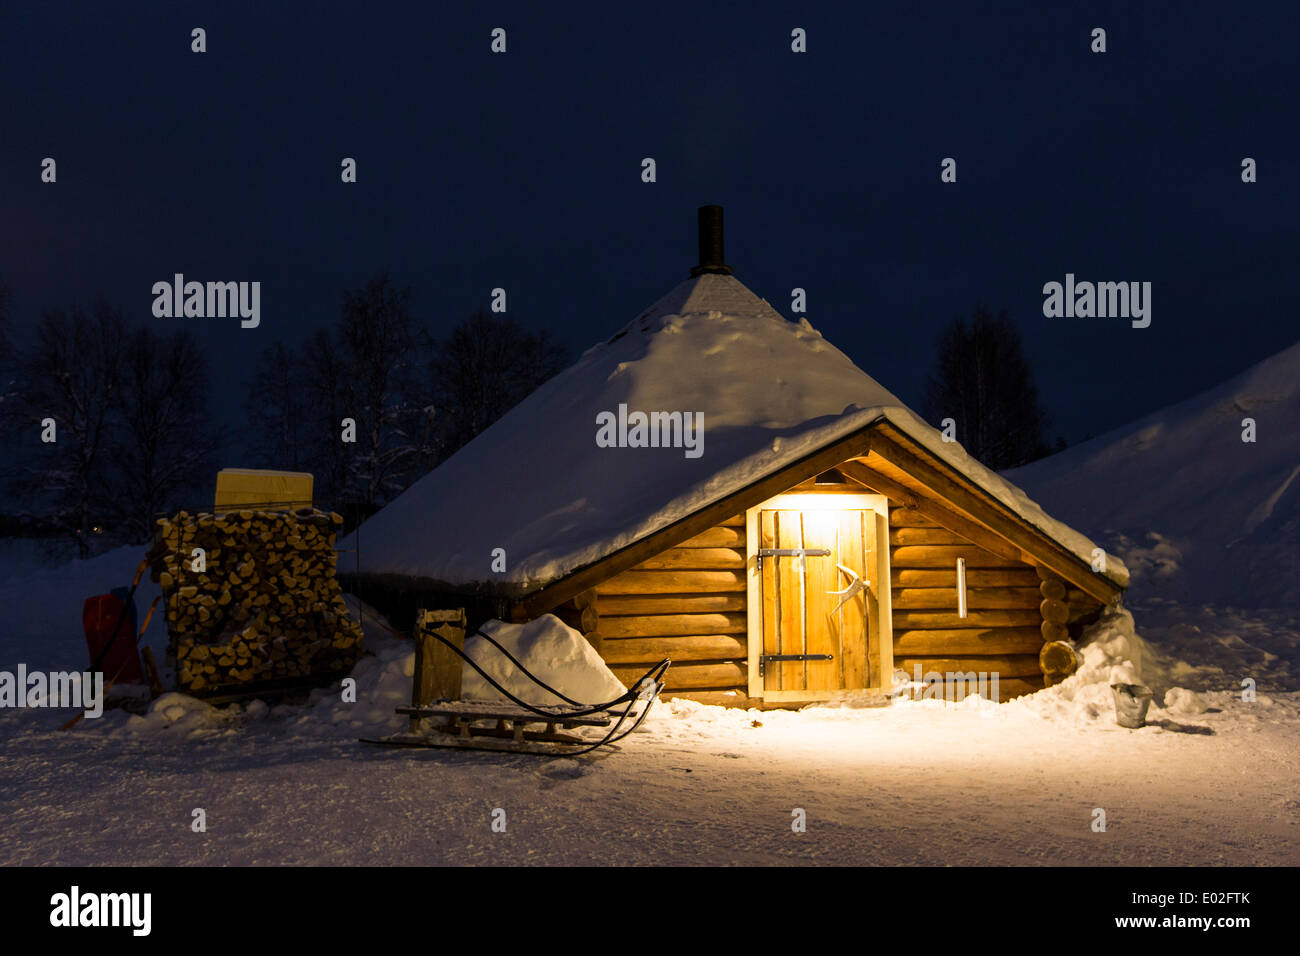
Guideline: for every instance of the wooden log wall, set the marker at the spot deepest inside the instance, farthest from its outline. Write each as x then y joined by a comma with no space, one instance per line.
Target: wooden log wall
1002,631
687,603
266,604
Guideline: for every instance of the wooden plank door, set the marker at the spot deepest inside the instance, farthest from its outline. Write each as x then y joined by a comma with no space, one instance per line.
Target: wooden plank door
801,616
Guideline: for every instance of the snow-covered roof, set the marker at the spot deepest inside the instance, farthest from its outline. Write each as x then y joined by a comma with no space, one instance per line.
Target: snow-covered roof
537,485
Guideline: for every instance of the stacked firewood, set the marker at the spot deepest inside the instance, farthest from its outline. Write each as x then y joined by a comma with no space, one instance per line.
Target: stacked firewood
257,601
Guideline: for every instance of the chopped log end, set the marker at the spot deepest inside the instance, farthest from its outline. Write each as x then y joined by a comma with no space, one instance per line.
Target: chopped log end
267,605
1052,589
1058,661
1054,612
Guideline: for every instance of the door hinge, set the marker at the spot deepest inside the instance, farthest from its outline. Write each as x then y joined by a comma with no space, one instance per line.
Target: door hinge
792,553
763,659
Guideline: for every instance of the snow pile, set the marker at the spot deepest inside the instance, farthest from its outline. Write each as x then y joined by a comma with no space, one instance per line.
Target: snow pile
770,392
1112,653
383,683
182,715
552,651
1199,514
1184,702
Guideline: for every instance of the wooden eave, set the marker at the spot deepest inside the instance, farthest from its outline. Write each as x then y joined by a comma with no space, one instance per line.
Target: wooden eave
959,492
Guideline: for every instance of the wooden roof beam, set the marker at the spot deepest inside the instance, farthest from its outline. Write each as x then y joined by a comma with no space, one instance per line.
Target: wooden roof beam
944,517
888,444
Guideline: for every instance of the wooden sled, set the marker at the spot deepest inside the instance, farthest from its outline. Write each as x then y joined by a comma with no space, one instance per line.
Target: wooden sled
438,719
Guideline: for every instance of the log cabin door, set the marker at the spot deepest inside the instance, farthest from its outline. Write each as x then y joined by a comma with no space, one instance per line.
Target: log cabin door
815,567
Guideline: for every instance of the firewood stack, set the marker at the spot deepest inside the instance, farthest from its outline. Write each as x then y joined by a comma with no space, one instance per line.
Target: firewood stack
264,604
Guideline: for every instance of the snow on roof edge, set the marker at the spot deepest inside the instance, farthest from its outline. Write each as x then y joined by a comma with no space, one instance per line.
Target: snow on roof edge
1006,493
906,421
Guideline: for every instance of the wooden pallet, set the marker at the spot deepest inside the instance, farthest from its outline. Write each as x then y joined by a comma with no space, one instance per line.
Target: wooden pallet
486,725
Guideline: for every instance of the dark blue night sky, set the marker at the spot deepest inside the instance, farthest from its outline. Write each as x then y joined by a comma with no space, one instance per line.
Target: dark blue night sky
523,170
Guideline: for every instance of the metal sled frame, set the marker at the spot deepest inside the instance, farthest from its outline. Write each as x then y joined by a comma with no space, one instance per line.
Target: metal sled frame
520,727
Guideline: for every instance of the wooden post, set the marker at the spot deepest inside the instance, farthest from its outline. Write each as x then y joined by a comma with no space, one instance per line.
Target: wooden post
884,602
961,587
437,666
586,601
151,672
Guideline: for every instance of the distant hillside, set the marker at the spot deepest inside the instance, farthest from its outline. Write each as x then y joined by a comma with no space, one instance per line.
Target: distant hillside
1196,513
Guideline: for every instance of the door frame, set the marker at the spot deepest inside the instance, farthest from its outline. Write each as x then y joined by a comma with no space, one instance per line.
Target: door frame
817,501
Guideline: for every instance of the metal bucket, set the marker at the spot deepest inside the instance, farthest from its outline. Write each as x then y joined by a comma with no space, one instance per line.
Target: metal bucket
1131,703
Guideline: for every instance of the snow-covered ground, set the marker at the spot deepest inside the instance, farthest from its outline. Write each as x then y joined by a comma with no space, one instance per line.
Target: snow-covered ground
1210,780
914,782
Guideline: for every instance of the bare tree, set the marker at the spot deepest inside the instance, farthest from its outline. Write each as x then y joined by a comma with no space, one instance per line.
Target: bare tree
377,338
275,410
166,444
72,376
983,382
413,403
323,374
486,366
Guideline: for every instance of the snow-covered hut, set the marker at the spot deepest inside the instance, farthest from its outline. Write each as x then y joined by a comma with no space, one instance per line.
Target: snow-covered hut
722,486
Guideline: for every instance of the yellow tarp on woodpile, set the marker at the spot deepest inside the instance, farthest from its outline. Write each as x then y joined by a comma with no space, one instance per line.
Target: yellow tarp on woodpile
252,488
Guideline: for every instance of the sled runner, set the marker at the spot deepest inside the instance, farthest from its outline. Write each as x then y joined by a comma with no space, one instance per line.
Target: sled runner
439,720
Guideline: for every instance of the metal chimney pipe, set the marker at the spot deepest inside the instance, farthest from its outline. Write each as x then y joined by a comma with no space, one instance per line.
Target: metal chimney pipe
711,242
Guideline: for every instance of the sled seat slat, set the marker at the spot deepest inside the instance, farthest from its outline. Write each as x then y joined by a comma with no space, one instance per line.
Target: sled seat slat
447,741
467,711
